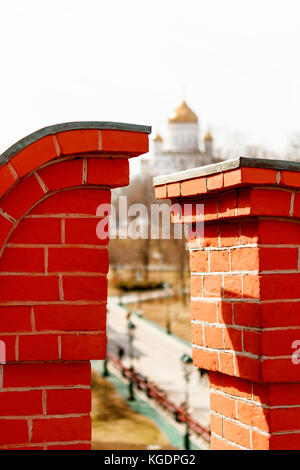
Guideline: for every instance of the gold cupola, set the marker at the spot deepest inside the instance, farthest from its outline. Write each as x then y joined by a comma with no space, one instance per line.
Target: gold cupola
208,137
183,114
157,138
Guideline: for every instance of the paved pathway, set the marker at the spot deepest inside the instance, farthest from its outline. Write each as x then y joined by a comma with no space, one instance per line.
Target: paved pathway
157,356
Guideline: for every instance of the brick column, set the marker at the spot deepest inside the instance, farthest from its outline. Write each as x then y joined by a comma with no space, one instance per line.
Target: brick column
53,286
245,292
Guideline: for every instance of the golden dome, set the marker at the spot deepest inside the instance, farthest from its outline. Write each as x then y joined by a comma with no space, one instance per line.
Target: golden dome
183,114
157,138
208,136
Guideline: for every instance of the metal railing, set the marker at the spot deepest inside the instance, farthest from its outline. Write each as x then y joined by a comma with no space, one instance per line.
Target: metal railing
152,391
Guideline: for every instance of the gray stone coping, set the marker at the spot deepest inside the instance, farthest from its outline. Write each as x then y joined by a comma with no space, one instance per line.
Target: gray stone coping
225,166
69,126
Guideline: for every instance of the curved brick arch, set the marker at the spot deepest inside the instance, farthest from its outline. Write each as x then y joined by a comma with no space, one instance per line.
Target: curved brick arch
53,286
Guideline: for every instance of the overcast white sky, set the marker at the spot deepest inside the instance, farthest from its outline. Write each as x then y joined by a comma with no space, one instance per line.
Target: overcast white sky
236,62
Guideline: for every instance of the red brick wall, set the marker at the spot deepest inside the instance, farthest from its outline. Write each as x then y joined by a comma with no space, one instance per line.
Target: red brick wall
245,291
53,286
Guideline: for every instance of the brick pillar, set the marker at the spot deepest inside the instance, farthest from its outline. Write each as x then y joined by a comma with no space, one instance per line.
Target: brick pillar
53,286
245,292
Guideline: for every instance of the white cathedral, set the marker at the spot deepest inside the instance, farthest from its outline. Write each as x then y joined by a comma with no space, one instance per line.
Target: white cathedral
180,148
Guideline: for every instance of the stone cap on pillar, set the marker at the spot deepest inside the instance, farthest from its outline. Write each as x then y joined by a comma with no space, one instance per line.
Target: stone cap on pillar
249,183
245,272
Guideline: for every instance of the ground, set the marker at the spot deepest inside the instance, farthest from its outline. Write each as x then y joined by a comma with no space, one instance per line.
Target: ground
116,426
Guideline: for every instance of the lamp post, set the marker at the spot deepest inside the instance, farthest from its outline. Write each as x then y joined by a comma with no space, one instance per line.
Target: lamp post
187,363
130,328
168,320
105,372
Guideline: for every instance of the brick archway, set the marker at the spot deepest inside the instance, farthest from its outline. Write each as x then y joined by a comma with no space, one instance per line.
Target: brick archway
53,268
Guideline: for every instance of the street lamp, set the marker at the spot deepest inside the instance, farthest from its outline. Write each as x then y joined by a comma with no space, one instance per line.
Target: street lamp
130,328
187,363
168,320
105,372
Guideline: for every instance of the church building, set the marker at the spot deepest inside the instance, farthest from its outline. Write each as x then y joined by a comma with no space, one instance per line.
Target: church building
179,149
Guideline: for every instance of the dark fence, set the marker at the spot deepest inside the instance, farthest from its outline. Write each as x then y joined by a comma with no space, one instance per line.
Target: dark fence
180,414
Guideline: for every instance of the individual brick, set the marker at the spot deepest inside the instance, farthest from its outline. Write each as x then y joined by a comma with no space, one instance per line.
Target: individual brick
193,187
62,175
77,260
227,363
5,228
68,401
10,347
160,192
15,319
199,261
217,443
129,143
78,141
290,178
13,431
24,288
279,286
270,202
197,335
216,424
37,231
279,342
247,314
212,286
253,415
34,155
213,337
84,347
245,259
233,339
251,341
252,288
23,260
236,433
250,176
38,348
21,403
75,201
237,387
279,232
223,405
278,258
85,288
112,172
225,312
215,181
6,179
229,234
233,286
70,317
227,205
219,261
61,429
83,231
203,311
205,359
196,286
47,374
17,202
